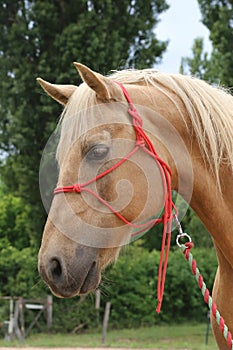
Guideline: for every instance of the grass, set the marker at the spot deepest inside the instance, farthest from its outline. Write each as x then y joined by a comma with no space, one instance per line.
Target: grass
185,337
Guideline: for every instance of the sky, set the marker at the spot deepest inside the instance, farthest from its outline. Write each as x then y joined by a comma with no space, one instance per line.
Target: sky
180,24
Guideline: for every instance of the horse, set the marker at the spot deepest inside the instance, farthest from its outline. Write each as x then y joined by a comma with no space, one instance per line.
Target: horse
126,140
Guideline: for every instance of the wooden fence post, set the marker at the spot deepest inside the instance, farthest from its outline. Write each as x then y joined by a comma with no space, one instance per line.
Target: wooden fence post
49,311
105,323
16,318
21,316
11,319
97,305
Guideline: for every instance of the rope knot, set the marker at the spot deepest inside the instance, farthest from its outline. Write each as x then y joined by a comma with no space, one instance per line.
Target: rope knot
140,142
134,113
77,188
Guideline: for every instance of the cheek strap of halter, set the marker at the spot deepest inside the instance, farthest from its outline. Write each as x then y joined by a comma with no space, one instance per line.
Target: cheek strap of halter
147,146
142,142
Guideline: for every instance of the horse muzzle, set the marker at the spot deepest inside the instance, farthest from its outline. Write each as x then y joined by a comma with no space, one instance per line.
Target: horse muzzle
70,274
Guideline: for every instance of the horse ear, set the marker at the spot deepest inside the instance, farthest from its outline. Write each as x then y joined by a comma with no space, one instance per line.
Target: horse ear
60,93
104,87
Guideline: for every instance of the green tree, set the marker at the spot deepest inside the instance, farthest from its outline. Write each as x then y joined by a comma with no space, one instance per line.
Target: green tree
14,223
18,254
18,271
199,64
217,16
43,38
134,302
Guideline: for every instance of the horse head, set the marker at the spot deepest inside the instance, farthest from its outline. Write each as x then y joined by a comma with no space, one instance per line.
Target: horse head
104,185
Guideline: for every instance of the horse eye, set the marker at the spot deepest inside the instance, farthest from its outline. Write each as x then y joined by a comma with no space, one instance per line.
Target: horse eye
97,152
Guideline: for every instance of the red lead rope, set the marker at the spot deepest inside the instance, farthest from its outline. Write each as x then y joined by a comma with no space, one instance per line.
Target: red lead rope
142,142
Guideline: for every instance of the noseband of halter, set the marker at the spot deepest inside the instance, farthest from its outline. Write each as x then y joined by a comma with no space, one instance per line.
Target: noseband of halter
144,143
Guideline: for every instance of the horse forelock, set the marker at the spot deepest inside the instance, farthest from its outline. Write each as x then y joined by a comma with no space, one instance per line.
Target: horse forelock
73,122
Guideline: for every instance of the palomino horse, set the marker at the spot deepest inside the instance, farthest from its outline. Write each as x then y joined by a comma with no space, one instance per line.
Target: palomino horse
107,181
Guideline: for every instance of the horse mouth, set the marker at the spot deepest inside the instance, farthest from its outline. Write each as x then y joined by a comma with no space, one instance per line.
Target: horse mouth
92,280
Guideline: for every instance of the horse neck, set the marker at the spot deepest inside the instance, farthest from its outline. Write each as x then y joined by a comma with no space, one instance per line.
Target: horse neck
212,205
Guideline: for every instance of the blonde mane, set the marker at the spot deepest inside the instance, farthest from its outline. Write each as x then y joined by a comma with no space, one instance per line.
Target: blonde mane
210,110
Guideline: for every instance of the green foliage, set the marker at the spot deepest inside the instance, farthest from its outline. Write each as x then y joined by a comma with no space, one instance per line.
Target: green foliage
183,299
14,223
18,254
199,64
78,314
218,68
18,268
217,16
133,290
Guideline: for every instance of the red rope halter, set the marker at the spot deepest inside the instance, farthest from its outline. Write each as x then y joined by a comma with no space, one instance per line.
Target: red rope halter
142,142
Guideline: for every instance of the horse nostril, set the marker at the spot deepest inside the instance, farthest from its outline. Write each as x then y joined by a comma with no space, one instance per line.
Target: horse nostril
56,268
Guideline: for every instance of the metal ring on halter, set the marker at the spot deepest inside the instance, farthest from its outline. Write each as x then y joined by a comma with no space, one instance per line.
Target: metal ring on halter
182,235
